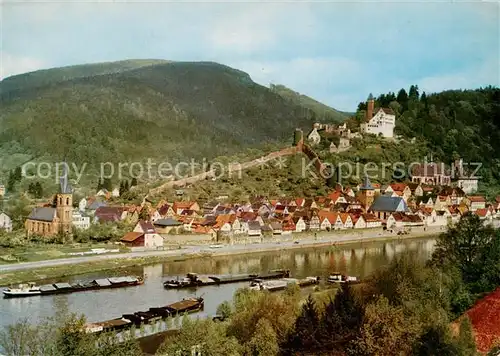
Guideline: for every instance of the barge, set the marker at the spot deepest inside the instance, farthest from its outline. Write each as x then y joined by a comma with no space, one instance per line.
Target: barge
281,284
30,289
187,305
193,280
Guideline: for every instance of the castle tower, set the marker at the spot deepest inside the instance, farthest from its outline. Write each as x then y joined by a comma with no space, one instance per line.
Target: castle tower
64,203
370,107
366,193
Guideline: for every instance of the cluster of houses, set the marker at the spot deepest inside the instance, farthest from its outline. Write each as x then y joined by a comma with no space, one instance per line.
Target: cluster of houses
395,206
426,201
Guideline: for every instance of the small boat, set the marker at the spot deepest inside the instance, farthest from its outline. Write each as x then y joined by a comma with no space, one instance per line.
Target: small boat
281,284
63,287
342,278
22,290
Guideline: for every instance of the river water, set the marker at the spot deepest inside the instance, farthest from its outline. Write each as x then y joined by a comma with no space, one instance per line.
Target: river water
359,260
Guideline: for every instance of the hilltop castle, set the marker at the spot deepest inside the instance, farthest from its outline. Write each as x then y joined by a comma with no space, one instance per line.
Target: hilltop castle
380,121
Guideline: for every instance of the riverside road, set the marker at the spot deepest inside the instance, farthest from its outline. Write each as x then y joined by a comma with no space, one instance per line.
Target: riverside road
303,241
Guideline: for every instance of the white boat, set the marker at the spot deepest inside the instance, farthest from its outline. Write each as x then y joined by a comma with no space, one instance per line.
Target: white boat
216,246
23,290
340,278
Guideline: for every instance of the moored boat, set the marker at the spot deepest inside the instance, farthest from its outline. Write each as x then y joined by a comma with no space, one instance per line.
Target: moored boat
281,284
63,287
22,290
193,280
186,305
337,277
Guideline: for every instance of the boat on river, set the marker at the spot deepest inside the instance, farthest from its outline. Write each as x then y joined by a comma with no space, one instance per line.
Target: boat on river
153,315
193,280
337,277
30,289
281,284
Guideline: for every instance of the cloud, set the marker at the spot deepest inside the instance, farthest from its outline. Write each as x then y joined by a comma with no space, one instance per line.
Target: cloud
487,73
12,65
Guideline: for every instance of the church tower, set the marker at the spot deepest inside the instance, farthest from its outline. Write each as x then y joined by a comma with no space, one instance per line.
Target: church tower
64,203
366,193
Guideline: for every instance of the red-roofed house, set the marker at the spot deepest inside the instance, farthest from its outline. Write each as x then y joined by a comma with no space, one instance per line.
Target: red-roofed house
476,202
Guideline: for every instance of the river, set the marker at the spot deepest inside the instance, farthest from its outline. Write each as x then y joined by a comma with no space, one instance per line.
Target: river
359,260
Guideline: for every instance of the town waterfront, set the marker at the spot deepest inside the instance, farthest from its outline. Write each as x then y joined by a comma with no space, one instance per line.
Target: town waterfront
360,259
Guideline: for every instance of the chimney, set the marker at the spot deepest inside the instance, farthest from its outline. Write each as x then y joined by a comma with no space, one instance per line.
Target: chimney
369,108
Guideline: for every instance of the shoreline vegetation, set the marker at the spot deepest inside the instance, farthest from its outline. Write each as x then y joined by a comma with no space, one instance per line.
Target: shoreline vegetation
55,268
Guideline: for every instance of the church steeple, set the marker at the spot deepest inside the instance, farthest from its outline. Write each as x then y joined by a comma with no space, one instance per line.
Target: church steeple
64,202
367,185
366,193
65,187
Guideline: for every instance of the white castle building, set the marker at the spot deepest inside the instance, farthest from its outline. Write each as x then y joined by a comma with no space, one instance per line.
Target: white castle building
378,122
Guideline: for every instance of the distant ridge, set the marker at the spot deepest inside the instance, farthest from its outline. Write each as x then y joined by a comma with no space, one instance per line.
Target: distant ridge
322,112
137,109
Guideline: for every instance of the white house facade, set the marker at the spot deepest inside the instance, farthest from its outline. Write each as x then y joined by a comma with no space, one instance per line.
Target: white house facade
80,221
5,222
379,122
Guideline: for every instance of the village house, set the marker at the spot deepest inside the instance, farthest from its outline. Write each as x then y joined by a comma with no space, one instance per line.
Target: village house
358,221
2,190
276,227
314,137
5,222
110,214
79,220
485,215
371,221
143,235
167,225
179,206
476,202
166,211
330,220
430,174
56,218
300,224
380,122
254,228
467,181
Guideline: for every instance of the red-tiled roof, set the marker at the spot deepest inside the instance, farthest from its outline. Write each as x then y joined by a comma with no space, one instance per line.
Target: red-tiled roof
131,236
477,199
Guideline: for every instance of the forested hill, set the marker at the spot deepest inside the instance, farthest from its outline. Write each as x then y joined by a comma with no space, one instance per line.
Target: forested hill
323,113
135,109
454,123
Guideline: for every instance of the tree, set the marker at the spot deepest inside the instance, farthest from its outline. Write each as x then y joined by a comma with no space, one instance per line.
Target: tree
305,335
204,335
413,93
38,190
100,184
224,310
126,186
11,182
350,311
435,340
466,341
107,184
264,342
144,214
122,188
402,98
18,174
474,249
133,183
385,329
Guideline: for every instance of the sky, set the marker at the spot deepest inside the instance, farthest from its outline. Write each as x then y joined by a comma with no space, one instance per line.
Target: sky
336,52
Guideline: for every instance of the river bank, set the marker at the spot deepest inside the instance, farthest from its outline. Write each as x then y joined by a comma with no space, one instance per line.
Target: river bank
39,270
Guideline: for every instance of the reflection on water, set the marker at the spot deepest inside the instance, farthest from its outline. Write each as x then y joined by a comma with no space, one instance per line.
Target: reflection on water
359,260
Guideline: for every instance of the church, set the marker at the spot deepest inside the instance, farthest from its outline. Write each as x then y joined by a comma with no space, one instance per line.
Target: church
380,122
56,218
